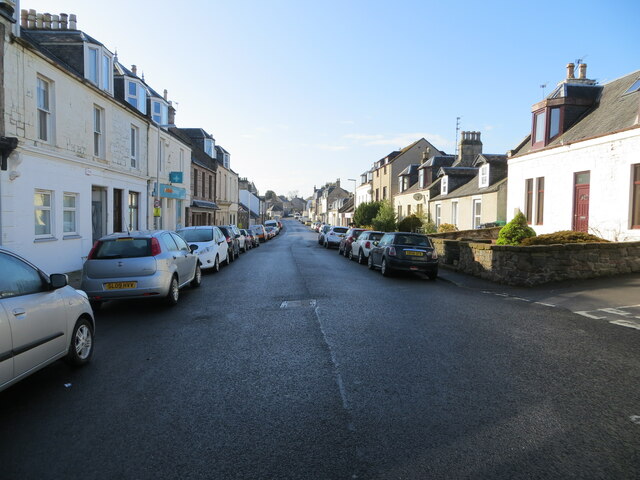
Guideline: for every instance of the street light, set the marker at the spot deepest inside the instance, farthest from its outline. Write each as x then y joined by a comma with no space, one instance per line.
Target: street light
157,201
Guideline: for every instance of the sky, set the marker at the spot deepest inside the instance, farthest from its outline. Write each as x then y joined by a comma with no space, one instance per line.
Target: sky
303,92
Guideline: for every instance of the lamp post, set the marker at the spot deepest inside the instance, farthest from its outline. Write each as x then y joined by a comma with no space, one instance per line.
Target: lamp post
157,201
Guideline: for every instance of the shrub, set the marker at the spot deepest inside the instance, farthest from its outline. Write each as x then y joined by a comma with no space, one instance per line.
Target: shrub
365,213
429,227
412,223
515,231
447,227
565,236
385,220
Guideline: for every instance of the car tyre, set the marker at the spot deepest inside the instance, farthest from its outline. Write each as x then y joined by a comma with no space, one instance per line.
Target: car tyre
174,292
197,277
351,256
370,263
81,347
384,268
361,257
432,275
230,256
216,265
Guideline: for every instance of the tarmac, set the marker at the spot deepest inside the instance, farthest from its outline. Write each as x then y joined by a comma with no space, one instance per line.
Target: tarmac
613,299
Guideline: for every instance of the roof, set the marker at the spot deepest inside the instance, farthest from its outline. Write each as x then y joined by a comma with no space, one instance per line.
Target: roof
614,111
458,171
410,170
491,159
204,204
196,133
439,161
471,188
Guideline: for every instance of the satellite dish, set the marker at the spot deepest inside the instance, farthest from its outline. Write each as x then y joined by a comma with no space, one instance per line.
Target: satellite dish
370,191
417,196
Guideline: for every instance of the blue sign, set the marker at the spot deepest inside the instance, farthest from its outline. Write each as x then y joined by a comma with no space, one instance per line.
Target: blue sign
169,191
175,177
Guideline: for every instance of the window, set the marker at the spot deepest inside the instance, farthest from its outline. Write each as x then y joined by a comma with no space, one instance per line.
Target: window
399,211
133,210
384,170
454,213
208,147
539,200
44,110
438,214
69,214
18,278
137,96
401,184
210,187
204,193
539,124
528,199
98,67
107,72
43,219
181,160
554,123
135,140
384,193
377,173
633,88
408,210
160,112
477,213
635,207
419,208
195,182
92,65
444,185
421,178
484,176
98,137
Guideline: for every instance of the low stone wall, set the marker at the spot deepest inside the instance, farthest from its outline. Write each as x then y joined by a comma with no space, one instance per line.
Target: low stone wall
469,235
535,265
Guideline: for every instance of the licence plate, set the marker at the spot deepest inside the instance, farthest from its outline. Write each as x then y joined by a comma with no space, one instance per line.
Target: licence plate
120,285
417,254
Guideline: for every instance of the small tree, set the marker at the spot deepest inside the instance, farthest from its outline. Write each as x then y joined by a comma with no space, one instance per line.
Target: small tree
365,213
447,227
385,221
412,223
515,231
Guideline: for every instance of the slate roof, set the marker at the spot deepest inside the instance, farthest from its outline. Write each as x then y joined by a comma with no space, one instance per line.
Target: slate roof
439,161
198,156
410,170
614,111
205,204
471,188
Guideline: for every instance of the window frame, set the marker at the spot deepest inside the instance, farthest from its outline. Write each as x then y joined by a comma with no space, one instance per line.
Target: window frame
140,95
163,116
483,176
44,110
635,196
528,200
44,208
454,212
103,73
98,132
539,200
444,185
476,217
134,133
133,210
438,214
74,210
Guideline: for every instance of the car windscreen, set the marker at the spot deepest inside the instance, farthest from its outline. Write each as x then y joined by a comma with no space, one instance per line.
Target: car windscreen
197,235
123,248
225,231
340,230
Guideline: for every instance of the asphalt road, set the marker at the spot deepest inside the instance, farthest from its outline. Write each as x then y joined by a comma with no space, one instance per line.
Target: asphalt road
294,363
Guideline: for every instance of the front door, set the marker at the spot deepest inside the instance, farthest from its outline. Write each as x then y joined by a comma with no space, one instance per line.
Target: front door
581,202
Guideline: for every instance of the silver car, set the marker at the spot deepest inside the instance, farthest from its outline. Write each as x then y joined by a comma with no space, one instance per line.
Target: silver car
145,264
42,319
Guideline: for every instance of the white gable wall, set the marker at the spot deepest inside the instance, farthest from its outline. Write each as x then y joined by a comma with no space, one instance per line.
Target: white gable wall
609,159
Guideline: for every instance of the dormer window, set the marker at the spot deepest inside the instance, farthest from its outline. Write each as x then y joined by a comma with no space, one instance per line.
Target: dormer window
444,185
483,178
98,67
159,112
547,125
137,95
208,147
421,178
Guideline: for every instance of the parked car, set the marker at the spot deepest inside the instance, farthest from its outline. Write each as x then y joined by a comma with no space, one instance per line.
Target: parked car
403,251
259,232
143,264
271,232
233,244
333,236
251,239
363,244
274,224
345,243
212,245
321,233
242,244
42,319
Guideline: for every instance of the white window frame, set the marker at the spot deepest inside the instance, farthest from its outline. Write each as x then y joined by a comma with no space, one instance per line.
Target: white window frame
98,132
103,78
209,147
134,142
163,154
163,119
483,177
131,208
69,209
44,109
43,208
438,214
140,95
454,213
421,178
476,219
444,185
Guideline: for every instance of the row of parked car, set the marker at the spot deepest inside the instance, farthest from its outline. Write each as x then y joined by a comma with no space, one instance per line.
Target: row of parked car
388,251
43,318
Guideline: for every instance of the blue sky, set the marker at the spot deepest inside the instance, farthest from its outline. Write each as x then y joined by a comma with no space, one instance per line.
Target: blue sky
301,92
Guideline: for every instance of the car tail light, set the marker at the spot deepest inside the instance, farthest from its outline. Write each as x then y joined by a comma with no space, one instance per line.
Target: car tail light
155,247
367,245
228,239
391,251
93,250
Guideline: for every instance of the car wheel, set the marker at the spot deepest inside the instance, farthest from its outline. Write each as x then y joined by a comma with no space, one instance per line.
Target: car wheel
326,244
81,347
361,257
351,254
174,292
230,256
432,275
384,269
197,277
370,263
216,265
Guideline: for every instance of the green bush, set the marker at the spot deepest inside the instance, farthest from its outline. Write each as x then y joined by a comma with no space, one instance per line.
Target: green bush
514,232
385,220
365,213
429,227
412,223
447,227
565,236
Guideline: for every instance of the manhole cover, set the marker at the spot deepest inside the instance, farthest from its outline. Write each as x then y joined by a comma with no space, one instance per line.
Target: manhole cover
298,303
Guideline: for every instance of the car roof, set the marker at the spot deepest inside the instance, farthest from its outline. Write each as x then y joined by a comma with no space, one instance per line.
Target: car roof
197,227
134,234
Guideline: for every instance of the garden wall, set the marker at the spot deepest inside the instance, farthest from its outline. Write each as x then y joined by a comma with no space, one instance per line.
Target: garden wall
535,265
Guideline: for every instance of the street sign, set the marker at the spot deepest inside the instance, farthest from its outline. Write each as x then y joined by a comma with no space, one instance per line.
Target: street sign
156,212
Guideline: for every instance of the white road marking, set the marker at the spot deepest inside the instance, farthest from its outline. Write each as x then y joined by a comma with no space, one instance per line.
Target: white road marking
615,311
588,315
546,304
626,323
635,419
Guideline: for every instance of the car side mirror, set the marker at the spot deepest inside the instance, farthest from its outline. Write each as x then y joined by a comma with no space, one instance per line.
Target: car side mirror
58,280
193,248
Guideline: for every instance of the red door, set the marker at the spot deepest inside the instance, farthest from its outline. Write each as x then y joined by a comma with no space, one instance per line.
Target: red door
581,203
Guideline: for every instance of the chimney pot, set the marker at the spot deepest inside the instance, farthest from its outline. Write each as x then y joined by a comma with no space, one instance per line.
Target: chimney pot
39,18
73,22
55,22
134,69
570,70
582,71
165,94
47,21
24,18
31,18
64,19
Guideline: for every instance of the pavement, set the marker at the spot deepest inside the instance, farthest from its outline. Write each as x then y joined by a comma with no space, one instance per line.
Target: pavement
614,299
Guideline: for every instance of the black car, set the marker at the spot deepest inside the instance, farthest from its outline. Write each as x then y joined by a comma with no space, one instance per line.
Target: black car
404,251
233,243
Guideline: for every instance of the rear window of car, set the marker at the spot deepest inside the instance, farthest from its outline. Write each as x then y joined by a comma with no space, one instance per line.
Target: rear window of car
412,240
375,236
356,233
123,248
224,231
340,230
197,235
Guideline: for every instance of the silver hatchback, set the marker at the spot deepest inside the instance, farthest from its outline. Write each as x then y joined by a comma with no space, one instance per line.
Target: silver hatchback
145,264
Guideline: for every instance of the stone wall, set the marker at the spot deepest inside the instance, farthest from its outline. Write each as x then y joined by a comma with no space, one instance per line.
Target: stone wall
475,234
535,265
